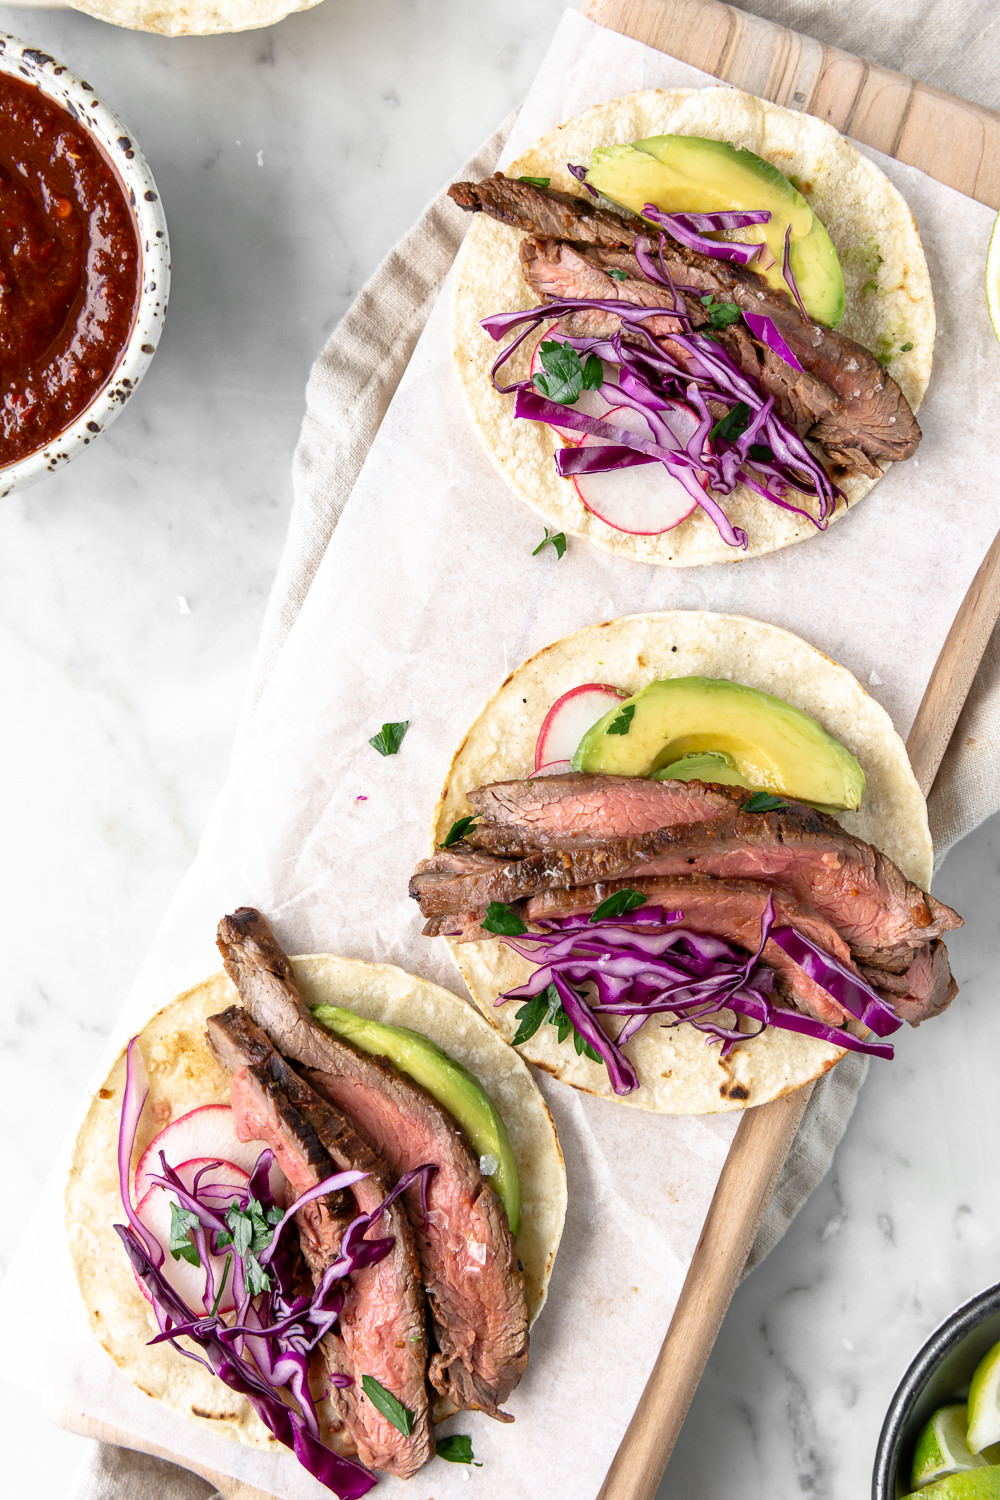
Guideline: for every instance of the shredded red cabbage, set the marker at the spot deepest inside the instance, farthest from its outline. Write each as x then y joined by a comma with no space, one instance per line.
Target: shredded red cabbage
263,1353
656,380
764,328
691,230
647,964
580,173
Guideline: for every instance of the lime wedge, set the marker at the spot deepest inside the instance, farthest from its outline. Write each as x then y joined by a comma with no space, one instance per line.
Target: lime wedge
942,1448
993,277
974,1484
984,1397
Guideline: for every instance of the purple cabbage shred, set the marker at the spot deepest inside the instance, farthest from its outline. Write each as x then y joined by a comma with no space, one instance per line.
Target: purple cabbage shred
647,964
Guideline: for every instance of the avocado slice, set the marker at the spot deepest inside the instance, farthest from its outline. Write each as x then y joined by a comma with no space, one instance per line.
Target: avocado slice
453,1086
702,765
773,746
691,174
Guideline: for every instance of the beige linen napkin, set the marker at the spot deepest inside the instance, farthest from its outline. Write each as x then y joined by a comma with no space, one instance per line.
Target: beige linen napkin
349,391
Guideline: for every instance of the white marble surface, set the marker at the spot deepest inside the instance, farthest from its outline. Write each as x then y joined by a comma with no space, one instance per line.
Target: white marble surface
131,591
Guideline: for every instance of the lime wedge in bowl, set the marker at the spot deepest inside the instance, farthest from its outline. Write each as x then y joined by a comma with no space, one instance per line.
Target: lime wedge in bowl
993,277
973,1484
984,1392
942,1448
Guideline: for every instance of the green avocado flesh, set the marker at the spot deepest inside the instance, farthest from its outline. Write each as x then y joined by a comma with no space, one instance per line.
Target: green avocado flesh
769,745
705,765
453,1086
689,174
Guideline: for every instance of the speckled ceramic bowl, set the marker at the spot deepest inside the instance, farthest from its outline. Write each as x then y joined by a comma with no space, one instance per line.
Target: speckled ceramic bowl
938,1375
56,82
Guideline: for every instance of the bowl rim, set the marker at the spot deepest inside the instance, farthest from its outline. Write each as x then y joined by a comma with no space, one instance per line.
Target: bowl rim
57,82
950,1332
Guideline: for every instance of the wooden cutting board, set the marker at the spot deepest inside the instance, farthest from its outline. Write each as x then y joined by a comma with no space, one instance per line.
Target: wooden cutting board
958,143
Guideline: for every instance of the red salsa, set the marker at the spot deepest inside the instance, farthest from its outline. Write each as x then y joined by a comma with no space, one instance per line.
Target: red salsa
70,266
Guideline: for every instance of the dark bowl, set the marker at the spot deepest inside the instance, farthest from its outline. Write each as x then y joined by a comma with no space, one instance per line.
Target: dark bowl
939,1374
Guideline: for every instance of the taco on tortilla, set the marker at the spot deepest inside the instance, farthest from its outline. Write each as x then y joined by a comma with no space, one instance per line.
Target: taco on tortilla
743,940
666,401
372,1293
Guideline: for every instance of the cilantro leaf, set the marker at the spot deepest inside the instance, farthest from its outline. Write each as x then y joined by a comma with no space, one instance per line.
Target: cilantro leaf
566,377
391,1408
617,274
458,830
541,182
557,539
457,1449
617,904
258,1280
500,919
620,723
905,348
763,802
548,1008
389,738
182,1221
733,424
720,314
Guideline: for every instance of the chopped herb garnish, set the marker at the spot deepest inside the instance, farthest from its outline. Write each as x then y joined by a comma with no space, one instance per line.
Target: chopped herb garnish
621,721
389,738
536,181
182,1221
250,1228
905,348
457,1449
257,1278
222,1286
617,274
458,830
763,802
733,424
720,314
547,1008
557,539
566,377
617,904
384,1401
500,919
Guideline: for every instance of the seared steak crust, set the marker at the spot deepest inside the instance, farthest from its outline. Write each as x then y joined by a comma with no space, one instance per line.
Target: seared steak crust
842,398
882,916
469,1264
382,1326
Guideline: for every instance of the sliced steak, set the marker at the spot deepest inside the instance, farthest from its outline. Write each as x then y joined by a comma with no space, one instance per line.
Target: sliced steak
474,1285
569,811
882,916
846,400
926,989
382,1326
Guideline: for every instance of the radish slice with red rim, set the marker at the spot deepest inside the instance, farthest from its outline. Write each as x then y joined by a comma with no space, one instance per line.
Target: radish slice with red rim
568,720
207,1134
153,1209
644,499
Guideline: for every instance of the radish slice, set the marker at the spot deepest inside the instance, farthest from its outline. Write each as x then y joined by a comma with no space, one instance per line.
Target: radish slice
645,499
154,1214
568,720
553,768
591,402
207,1134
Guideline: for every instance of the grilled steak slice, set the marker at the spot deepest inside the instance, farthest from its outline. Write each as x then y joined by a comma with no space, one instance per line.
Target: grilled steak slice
881,915
570,811
843,396
926,989
382,1328
469,1264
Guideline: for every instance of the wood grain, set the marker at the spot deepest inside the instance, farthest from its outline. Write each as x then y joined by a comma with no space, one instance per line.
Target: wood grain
954,140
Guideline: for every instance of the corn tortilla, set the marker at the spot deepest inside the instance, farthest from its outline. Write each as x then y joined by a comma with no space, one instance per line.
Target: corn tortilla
183,1074
890,306
679,1072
